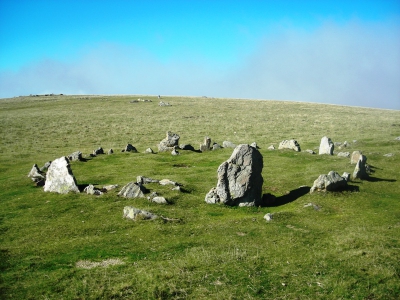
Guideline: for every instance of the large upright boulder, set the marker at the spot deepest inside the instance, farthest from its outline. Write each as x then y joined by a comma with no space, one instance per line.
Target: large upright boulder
360,171
206,146
326,146
289,144
168,144
59,177
239,179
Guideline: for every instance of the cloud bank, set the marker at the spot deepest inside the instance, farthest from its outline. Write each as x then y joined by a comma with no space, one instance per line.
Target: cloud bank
350,65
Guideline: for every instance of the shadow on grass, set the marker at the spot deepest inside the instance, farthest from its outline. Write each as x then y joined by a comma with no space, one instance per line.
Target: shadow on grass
375,179
272,201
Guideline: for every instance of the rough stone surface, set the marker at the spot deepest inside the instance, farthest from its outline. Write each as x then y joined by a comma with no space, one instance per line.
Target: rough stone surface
254,144
35,174
130,148
167,181
268,217
91,190
398,138
98,151
135,214
144,180
162,103
360,170
388,155
59,177
326,146
228,144
149,150
206,146
132,190
239,179
272,147
343,154
331,182
355,157
169,143
77,155
289,144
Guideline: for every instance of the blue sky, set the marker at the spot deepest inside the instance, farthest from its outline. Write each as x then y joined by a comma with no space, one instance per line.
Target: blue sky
337,52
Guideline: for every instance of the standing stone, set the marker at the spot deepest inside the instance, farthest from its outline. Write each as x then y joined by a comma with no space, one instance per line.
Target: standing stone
91,190
360,171
326,146
59,177
206,146
132,190
98,151
289,144
130,148
355,157
170,141
331,182
239,179
343,154
272,147
111,151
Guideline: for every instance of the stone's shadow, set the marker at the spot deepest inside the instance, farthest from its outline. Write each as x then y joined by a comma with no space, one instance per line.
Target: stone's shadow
351,188
272,201
375,179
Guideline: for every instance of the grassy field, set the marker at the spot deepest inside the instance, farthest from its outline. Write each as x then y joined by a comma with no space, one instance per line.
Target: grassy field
78,246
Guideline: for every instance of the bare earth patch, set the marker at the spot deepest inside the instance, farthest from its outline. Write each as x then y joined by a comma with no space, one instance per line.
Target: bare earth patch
87,264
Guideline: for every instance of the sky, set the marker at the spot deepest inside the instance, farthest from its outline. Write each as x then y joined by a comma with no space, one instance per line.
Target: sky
335,52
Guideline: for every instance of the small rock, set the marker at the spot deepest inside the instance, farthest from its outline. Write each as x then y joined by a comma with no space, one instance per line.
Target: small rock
144,180
228,144
388,155
289,144
330,182
272,147
167,181
111,151
132,190
109,187
343,154
216,146
130,148
135,214
159,200
98,151
310,151
206,146
268,217
174,152
77,155
91,190
35,174
149,150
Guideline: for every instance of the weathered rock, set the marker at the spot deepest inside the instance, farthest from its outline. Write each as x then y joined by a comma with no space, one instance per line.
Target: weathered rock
169,143
91,190
239,179
343,154
289,144
216,146
35,174
268,217
159,200
111,151
98,151
135,214
130,148
388,155
59,177
346,176
167,181
77,155
228,144
162,103
206,146
355,157
254,144
132,190
398,138
145,180
45,166
360,170
310,151
109,187
174,151
344,145
149,150
272,147
331,182
326,146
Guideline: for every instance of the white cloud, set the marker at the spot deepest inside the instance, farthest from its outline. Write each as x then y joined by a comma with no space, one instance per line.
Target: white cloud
350,64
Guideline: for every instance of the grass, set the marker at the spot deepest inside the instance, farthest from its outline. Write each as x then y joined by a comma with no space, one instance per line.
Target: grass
348,249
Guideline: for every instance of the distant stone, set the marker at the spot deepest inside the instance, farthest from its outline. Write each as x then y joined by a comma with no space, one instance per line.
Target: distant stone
289,144
35,174
398,138
111,151
326,146
310,151
91,190
145,180
169,143
162,103
272,147
344,145
149,150
59,177
355,157
343,154
330,182
228,144
135,214
132,190
98,151
109,187
388,154
268,217
176,188
167,182
206,146
77,155
130,148
360,171
239,179
45,166
159,200
216,146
